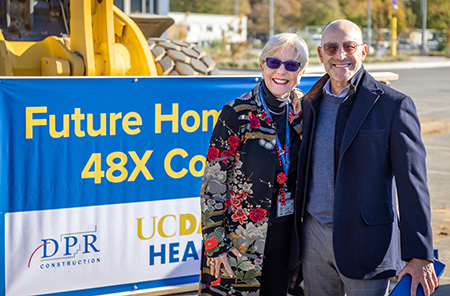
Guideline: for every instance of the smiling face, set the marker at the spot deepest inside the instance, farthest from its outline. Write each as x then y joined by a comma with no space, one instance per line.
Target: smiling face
342,66
279,81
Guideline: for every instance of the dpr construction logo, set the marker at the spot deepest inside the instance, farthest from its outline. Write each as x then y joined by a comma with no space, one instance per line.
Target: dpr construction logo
66,250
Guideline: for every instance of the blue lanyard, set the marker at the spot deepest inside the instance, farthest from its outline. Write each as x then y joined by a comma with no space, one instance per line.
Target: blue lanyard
284,155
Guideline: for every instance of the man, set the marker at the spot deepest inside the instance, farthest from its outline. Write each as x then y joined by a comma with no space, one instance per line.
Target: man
358,135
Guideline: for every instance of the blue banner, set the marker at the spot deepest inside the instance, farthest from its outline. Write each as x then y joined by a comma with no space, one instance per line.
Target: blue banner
101,142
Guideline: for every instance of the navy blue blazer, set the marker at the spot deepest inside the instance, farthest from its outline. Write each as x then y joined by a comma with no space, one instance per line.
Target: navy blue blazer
372,234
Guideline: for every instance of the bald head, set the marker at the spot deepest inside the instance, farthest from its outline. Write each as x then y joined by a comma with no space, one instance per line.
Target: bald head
342,52
343,26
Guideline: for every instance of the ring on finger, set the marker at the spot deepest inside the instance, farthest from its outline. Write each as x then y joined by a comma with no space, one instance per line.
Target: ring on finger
212,262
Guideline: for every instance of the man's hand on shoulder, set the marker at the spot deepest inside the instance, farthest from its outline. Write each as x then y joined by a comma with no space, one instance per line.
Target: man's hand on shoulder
422,272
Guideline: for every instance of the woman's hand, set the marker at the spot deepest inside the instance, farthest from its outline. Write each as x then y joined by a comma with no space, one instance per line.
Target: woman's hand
215,263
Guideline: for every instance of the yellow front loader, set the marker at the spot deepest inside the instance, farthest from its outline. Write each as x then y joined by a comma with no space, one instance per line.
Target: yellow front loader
98,40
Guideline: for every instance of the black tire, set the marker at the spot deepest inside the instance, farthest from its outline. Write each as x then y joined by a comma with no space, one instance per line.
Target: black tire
173,58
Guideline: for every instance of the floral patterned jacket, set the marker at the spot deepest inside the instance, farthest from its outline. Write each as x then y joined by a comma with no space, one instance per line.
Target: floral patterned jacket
237,188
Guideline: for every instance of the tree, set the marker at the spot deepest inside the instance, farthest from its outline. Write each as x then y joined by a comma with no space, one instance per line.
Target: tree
320,12
210,6
438,13
287,16
438,17
355,11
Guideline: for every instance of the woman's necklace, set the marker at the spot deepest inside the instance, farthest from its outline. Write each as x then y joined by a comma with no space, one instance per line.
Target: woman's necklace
276,113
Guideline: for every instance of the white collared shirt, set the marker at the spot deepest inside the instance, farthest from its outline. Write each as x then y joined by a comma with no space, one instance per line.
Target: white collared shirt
340,95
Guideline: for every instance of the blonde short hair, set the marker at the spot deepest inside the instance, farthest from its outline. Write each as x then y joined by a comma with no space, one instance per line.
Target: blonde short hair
281,40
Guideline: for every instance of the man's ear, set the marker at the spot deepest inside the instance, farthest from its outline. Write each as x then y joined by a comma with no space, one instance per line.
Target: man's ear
364,52
319,52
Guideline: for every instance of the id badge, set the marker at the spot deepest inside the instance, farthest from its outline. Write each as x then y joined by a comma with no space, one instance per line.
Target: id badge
286,209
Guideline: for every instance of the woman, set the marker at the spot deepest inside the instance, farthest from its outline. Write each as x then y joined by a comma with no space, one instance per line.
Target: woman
246,201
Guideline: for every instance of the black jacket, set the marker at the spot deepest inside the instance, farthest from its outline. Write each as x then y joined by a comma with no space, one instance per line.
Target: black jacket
380,140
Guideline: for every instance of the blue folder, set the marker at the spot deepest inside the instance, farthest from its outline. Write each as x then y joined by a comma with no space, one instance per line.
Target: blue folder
403,288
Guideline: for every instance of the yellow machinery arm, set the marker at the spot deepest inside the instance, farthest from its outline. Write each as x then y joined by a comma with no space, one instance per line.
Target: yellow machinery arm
104,41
